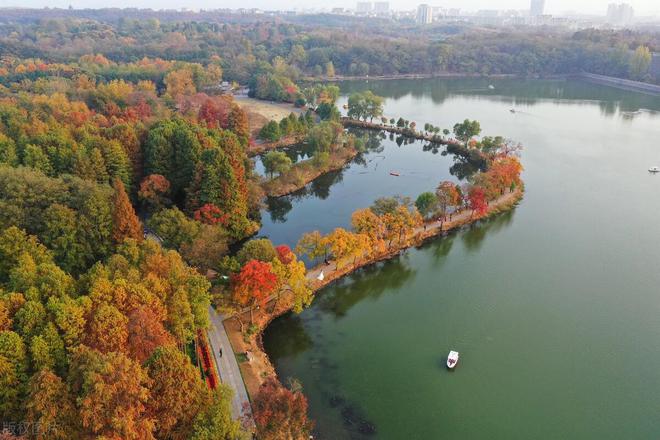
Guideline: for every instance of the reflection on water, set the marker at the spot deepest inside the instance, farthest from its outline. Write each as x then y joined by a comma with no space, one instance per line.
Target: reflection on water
476,232
512,91
421,166
361,285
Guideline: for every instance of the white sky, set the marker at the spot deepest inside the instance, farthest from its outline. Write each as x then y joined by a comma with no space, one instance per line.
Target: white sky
642,7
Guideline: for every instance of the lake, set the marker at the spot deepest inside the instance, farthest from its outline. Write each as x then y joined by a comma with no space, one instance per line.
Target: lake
555,306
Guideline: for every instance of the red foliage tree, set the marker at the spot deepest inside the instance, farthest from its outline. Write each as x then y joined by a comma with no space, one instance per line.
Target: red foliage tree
211,215
477,200
280,413
214,114
253,284
284,254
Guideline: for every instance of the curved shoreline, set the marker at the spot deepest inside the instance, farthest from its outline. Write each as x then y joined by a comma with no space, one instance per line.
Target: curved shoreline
260,368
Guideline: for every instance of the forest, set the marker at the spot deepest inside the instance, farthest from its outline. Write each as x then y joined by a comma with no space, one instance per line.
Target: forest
276,53
100,325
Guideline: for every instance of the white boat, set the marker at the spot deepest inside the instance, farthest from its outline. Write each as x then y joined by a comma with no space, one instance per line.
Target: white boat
654,170
491,87
452,359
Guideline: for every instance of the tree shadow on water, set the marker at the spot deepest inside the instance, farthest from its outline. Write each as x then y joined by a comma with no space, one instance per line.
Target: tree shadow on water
475,234
369,282
278,208
286,336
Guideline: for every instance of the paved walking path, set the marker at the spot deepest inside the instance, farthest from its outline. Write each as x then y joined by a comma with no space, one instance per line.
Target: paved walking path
227,366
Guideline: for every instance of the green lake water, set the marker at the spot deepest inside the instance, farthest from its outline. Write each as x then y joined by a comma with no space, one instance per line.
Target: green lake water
554,307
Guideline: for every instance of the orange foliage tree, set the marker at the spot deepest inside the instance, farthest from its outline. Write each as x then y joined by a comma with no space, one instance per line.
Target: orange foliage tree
125,222
280,413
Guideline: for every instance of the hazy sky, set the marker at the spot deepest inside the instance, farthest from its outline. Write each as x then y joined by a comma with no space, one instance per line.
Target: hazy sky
642,7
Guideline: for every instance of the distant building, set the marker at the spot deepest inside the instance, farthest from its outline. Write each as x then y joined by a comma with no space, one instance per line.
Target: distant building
364,7
382,8
536,8
424,14
620,14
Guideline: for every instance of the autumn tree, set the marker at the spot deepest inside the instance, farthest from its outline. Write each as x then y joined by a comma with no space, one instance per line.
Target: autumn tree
365,221
312,245
111,395
280,413
154,191
179,390
107,329
180,82
253,284
448,196
146,332
400,223
210,214
125,222
477,202
238,123
214,114
51,407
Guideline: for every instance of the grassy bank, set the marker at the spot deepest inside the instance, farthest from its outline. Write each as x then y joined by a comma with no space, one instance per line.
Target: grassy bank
306,171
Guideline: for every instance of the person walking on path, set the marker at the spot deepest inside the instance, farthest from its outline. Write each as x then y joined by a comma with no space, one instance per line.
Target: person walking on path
221,352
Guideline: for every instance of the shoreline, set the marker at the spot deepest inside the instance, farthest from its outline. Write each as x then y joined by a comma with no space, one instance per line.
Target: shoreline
259,367
306,172
338,78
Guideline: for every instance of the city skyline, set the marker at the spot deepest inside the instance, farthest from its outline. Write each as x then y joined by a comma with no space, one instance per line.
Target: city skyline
591,7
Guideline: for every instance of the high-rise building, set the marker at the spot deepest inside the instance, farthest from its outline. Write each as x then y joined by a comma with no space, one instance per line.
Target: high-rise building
364,7
424,14
382,8
620,14
536,8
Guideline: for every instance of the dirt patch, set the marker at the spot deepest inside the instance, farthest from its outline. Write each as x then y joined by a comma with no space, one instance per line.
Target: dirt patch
261,112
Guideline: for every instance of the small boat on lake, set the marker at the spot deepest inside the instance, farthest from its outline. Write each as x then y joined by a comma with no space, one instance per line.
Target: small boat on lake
452,359
394,173
512,110
654,170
